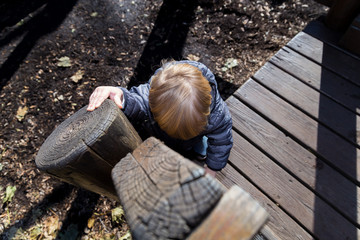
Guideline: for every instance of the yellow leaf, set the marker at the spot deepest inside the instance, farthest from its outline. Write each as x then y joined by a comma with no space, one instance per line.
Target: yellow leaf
21,112
91,222
51,225
77,76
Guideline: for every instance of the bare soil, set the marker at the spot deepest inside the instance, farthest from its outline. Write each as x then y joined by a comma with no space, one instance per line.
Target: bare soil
54,53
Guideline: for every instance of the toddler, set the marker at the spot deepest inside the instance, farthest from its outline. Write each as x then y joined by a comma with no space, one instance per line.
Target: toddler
181,106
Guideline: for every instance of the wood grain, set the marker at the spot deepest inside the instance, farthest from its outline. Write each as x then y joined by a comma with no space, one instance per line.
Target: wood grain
319,106
84,148
298,201
164,195
279,222
322,141
320,78
236,216
311,171
327,56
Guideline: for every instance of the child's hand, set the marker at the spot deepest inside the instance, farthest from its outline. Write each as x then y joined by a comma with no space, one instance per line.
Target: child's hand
104,92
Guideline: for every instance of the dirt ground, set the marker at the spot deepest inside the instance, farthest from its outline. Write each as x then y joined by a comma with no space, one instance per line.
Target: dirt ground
54,53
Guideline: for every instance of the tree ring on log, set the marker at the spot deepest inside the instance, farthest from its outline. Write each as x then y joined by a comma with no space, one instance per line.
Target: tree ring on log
84,148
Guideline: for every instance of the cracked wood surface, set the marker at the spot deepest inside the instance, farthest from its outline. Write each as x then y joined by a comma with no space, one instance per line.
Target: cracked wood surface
166,196
84,148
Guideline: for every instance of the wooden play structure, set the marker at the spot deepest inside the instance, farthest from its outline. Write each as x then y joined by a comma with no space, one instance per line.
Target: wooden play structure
293,172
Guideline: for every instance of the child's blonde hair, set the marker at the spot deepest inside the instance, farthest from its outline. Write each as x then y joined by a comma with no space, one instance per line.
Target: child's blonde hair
179,99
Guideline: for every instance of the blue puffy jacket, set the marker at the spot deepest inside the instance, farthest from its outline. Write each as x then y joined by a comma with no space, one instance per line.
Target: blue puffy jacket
218,130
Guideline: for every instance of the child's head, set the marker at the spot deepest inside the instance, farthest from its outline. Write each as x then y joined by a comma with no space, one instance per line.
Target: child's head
180,100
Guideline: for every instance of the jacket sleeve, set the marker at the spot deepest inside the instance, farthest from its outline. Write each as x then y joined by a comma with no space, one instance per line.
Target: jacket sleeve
136,102
220,139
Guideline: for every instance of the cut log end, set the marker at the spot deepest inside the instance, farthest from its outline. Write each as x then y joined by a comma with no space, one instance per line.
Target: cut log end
166,196
84,148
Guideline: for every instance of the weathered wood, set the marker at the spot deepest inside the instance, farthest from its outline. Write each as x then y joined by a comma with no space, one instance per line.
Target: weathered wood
319,106
345,157
311,171
341,14
317,29
279,221
319,78
327,55
164,195
297,200
84,148
351,38
236,216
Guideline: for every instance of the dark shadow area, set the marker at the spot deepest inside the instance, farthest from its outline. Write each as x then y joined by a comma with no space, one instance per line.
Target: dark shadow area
226,89
47,18
58,195
13,11
77,217
341,154
167,38
277,2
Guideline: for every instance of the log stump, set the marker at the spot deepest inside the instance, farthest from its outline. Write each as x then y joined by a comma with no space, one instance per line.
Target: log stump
84,148
166,196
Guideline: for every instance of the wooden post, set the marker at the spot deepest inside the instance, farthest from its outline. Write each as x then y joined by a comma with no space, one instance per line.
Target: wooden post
166,196
342,13
351,38
236,216
84,148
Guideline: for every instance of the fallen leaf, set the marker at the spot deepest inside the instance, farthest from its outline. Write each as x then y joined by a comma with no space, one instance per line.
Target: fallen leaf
9,194
126,236
51,226
77,76
193,57
64,62
229,64
21,112
91,222
36,232
117,214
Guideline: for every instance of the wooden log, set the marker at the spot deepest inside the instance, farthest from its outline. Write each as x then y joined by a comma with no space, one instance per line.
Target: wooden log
342,13
236,216
351,38
84,148
164,195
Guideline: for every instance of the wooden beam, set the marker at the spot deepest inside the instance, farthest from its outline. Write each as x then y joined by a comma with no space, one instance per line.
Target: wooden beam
236,216
351,38
342,13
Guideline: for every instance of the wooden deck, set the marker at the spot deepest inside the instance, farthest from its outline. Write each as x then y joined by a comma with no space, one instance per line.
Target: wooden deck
296,138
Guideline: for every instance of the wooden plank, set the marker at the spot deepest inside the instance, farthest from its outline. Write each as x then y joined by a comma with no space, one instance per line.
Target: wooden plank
331,58
236,216
317,105
279,222
319,78
311,171
319,139
297,200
